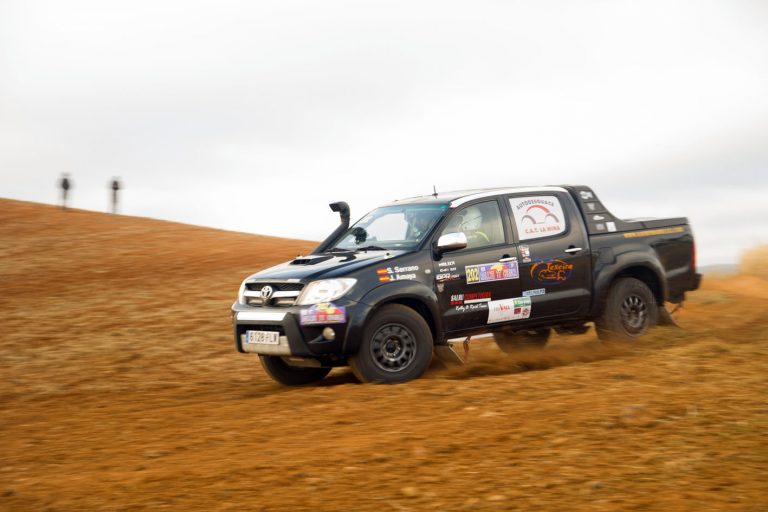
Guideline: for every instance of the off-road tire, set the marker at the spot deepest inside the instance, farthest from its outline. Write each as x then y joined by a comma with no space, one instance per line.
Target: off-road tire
289,375
396,346
630,310
511,341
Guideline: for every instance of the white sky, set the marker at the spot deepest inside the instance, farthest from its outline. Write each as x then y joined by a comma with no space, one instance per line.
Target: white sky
253,116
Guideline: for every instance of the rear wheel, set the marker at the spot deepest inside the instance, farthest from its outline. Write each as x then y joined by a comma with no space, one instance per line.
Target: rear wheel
511,341
289,375
396,346
630,311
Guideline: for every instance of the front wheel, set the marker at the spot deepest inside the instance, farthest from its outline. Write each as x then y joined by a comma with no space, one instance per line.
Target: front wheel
396,346
630,311
289,375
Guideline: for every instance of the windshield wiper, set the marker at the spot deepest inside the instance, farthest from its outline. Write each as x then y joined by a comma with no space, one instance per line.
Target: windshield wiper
372,248
339,249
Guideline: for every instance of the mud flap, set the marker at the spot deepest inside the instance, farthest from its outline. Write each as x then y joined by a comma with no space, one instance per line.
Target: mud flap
448,355
665,316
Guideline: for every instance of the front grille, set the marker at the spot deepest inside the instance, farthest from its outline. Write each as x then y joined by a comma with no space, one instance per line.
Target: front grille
283,287
283,294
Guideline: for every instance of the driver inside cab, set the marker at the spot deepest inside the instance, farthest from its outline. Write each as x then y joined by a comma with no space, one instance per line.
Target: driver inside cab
419,223
470,223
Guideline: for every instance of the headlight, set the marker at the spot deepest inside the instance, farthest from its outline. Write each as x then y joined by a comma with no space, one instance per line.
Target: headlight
325,290
240,296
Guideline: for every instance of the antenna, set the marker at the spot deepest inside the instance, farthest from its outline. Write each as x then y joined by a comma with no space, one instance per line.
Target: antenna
434,191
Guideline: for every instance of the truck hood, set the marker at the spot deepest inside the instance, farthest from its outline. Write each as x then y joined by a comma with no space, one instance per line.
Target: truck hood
319,266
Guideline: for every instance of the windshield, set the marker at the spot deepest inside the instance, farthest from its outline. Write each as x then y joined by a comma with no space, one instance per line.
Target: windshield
392,227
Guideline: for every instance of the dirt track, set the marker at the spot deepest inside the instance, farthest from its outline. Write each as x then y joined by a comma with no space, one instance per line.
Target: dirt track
121,390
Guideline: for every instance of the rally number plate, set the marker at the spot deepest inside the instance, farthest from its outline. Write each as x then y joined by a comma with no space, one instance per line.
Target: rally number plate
262,337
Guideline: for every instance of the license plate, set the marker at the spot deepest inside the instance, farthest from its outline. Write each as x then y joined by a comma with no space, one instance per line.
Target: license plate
262,337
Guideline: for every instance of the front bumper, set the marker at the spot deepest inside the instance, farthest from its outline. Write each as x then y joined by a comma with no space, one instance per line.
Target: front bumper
295,340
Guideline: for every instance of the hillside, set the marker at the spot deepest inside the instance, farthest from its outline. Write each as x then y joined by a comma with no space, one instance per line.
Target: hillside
121,389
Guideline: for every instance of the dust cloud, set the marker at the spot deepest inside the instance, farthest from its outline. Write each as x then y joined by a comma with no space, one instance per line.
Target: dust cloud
487,361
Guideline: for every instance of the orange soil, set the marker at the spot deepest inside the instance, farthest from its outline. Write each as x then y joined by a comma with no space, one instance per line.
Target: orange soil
121,390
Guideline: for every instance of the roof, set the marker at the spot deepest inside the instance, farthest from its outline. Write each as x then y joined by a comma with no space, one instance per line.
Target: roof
458,197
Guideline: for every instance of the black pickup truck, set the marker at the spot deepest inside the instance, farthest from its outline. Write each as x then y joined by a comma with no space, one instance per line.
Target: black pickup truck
384,294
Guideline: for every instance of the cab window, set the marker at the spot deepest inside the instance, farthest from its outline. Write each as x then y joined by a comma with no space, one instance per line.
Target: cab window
537,216
481,223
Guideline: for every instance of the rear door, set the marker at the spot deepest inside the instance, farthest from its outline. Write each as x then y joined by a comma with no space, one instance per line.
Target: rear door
554,255
471,280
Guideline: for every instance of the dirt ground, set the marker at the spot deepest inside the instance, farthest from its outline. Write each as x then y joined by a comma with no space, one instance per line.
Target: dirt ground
121,390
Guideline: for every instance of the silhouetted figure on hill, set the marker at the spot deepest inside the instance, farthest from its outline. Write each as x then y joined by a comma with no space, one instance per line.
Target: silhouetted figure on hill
65,185
115,187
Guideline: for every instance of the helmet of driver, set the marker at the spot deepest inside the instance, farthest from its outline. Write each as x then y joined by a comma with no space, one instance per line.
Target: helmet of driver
471,219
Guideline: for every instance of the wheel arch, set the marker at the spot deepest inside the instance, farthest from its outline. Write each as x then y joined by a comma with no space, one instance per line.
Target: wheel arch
417,305
647,276
647,271
415,296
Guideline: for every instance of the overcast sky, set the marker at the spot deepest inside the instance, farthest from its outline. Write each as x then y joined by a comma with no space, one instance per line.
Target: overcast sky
253,116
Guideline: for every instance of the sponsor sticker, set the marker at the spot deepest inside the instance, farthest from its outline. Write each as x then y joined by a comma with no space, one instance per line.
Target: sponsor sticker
531,293
525,253
447,271
551,272
600,226
470,298
611,226
507,310
586,195
323,313
537,216
465,308
446,276
487,272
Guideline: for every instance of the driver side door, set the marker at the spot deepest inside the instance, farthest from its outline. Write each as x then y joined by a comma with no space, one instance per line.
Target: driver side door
468,280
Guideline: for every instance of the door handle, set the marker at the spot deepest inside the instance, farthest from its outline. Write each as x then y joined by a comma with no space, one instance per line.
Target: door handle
506,258
572,250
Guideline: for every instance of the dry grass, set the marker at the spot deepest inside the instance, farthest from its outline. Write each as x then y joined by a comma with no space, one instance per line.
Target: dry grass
121,390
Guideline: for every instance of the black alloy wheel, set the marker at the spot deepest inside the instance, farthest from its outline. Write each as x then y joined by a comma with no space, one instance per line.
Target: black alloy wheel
393,347
396,346
630,310
634,314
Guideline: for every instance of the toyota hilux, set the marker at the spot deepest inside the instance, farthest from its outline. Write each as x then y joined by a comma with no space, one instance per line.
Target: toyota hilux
385,293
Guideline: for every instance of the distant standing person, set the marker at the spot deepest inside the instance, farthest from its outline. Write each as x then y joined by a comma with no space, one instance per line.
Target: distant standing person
115,188
65,185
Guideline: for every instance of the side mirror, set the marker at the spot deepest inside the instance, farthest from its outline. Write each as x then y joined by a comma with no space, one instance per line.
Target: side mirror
451,242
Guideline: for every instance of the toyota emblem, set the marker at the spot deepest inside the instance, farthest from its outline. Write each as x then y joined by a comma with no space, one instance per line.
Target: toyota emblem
266,292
